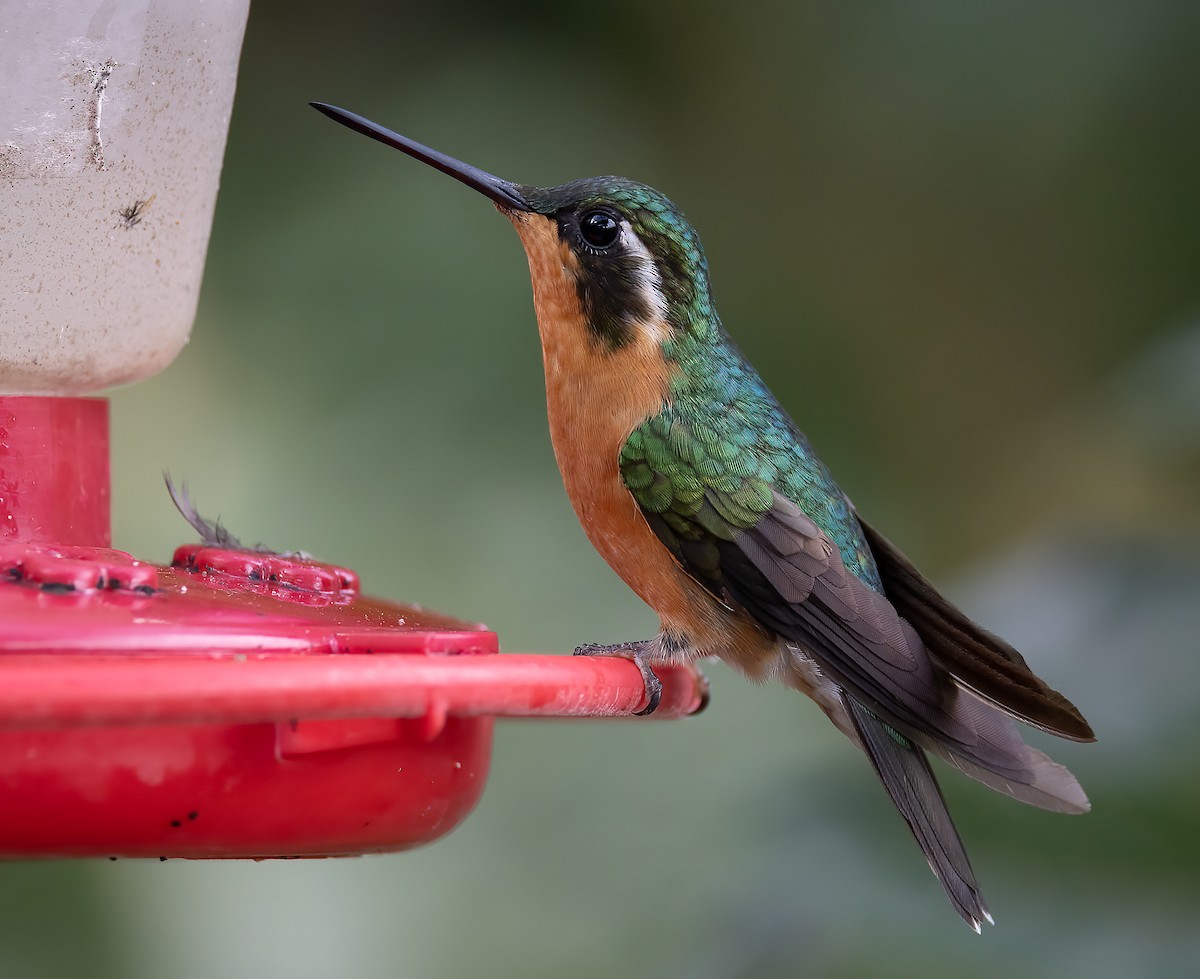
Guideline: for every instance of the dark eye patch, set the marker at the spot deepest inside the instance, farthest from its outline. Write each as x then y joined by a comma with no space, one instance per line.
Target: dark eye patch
608,277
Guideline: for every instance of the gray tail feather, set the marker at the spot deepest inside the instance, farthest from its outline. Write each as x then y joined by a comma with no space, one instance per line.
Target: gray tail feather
1001,760
905,773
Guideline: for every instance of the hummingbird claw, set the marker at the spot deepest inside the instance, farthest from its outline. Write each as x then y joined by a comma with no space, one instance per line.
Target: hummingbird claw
653,689
635,652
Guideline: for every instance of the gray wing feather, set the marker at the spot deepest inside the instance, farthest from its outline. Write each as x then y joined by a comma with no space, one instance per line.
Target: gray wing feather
977,659
789,577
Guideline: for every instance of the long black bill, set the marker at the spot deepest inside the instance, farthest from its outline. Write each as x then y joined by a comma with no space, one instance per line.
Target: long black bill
503,192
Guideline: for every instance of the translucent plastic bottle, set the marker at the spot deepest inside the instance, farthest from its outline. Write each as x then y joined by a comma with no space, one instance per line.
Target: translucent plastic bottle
113,118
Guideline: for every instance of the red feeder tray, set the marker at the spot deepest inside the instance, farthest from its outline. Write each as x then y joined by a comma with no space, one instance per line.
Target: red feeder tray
236,703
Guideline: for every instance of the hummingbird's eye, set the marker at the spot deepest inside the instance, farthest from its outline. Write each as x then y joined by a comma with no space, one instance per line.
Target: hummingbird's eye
599,228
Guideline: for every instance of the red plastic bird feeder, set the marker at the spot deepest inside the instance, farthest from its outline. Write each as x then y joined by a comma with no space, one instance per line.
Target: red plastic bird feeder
234,703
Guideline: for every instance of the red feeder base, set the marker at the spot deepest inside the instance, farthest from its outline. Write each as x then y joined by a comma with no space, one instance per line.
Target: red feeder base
236,703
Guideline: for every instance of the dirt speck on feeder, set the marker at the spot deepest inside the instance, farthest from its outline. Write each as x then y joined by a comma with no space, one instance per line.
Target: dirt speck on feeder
132,215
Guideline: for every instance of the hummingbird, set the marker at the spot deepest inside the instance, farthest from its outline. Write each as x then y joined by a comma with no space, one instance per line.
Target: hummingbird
703,495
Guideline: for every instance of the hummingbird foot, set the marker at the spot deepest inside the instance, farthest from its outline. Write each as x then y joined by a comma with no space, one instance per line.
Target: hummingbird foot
638,652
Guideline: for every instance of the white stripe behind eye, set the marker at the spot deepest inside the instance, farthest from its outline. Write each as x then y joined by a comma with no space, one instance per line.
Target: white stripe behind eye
648,276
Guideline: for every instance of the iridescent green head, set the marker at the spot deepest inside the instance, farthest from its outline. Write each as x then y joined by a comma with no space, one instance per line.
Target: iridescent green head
639,259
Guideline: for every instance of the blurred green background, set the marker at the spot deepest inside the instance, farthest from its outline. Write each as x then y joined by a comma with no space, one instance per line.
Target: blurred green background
961,243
